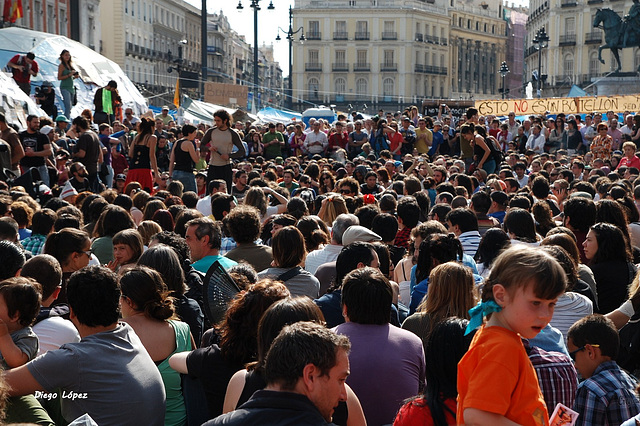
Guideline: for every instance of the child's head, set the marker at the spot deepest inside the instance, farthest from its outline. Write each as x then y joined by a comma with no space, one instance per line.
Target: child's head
591,341
127,246
520,267
21,297
435,250
46,271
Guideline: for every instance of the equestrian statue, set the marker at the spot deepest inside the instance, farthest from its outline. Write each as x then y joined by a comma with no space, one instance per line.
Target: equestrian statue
618,32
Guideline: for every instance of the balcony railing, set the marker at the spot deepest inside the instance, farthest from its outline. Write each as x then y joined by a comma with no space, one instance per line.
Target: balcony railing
431,39
360,35
593,37
388,66
340,67
567,40
313,66
314,36
419,68
594,1
362,66
389,36
443,41
568,3
419,37
340,35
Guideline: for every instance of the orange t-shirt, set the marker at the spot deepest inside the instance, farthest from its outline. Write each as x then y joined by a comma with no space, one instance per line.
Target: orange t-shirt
496,375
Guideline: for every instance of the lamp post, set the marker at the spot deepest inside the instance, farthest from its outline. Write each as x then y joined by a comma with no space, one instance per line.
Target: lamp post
289,37
504,70
255,4
540,42
178,67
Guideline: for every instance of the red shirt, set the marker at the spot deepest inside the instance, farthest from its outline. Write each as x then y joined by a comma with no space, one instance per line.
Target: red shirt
338,140
402,237
22,76
634,162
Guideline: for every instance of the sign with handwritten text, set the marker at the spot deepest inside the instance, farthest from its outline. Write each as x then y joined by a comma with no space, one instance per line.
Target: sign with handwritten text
557,105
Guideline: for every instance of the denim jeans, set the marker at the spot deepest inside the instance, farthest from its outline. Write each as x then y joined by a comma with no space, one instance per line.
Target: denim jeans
188,179
67,98
44,174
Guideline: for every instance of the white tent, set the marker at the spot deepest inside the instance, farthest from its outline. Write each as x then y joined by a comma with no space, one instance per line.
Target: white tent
95,70
14,103
195,111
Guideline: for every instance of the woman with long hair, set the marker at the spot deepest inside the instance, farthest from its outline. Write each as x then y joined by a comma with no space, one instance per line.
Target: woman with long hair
608,252
332,207
148,308
314,231
493,242
66,75
446,346
257,197
543,217
72,248
288,254
481,151
214,365
112,220
255,145
184,156
521,228
127,248
327,182
142,154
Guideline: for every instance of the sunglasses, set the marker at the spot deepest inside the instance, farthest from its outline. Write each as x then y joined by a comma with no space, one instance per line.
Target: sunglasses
572,354
88,252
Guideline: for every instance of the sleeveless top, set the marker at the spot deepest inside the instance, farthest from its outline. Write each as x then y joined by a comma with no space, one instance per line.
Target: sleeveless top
140,158
254,381
67,83
175,410
182,158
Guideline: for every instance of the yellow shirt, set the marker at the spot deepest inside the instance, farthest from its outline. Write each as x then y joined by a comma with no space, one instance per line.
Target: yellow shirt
424,138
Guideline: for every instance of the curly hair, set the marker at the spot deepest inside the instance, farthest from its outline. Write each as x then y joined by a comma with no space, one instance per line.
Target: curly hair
243,223
148,292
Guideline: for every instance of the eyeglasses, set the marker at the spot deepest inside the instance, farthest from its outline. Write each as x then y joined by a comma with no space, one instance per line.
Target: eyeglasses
345,191
572,354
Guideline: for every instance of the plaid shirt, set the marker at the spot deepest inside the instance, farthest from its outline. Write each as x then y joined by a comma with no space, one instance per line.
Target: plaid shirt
402,238
556,375
607,397
34,243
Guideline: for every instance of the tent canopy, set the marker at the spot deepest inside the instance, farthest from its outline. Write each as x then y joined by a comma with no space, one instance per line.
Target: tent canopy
202,112
273,115
95,70
15,104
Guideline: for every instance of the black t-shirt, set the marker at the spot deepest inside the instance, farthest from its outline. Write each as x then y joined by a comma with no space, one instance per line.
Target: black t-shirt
90,144
36,141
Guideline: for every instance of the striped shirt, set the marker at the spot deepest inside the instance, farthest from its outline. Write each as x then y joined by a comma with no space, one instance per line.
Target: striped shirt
470,241
570,308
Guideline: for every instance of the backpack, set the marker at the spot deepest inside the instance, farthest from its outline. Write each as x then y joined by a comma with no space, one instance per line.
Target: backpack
496,151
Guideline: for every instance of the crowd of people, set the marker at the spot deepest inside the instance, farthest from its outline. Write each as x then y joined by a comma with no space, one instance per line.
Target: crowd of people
396,269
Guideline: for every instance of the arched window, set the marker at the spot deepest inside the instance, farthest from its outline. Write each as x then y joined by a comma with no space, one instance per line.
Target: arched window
314,87
388,87
341,86
636,59
594,64
361,86
567,65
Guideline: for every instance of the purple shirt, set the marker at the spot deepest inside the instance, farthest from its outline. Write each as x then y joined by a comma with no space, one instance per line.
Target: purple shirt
387,366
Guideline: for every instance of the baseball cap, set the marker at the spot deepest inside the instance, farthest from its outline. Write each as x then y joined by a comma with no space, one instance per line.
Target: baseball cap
121,177
165,108
46,130
62,119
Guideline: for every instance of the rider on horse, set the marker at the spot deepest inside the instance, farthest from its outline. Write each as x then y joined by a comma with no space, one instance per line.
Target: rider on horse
632,21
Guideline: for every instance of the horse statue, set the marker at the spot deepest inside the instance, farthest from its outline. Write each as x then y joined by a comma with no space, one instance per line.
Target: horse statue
618,33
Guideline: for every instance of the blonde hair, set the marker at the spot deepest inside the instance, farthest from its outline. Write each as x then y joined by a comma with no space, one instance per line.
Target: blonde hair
452,292
520,266
148,229
334,207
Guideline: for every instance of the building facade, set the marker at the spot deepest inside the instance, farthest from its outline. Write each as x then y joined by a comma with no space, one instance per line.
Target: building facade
388,53
572,55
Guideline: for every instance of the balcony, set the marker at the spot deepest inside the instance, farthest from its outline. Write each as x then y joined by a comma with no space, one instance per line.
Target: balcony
314,36
389,36
360,35
129,47
594,1
340,67
593,37
443,41
419,68
432,69
313,66
431,39
388,66
362,66
568,3
419,37
341,35
567,40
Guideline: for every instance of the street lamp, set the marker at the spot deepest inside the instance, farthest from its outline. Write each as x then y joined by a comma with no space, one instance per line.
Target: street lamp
540,42
255,4
178,67
504,70
289,37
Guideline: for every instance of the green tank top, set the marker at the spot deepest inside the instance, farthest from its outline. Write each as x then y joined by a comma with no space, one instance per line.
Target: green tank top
67,83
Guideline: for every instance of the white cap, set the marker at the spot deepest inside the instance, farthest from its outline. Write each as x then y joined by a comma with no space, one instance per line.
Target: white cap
46,130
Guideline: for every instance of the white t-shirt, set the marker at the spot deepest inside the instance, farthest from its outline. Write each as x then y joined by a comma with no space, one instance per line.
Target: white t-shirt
54,332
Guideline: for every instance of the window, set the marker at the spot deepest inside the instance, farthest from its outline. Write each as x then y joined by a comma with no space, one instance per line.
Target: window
126,6
341,56
361,57
144,8
133,11
341,86
388,57
314,27
567,64
341,27
313,86
388,87
636,59
389,26
313,56
361,26
361,86
570,26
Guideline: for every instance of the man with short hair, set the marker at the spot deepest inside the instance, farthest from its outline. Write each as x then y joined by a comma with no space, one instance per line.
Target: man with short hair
240,188
22,68
370,185
305,372
108,366
243,223
9,135
424,137
78,178
316,141
36,148
387,362
106,100
464,224
273,141
288,181
204,237
357,138
164,116
130,120
408,212
498,208
89,150
215,186
331,251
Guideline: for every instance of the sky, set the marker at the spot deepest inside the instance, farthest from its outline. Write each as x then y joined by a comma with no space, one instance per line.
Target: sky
268,22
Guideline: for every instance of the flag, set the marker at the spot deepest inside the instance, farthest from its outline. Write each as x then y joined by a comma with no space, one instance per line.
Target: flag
6,11
176,96
17,12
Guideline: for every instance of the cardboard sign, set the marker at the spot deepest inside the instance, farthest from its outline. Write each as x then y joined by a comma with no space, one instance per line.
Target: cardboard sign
229,95
557,105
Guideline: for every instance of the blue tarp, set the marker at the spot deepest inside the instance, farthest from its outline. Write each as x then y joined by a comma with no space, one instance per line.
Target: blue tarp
270,114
